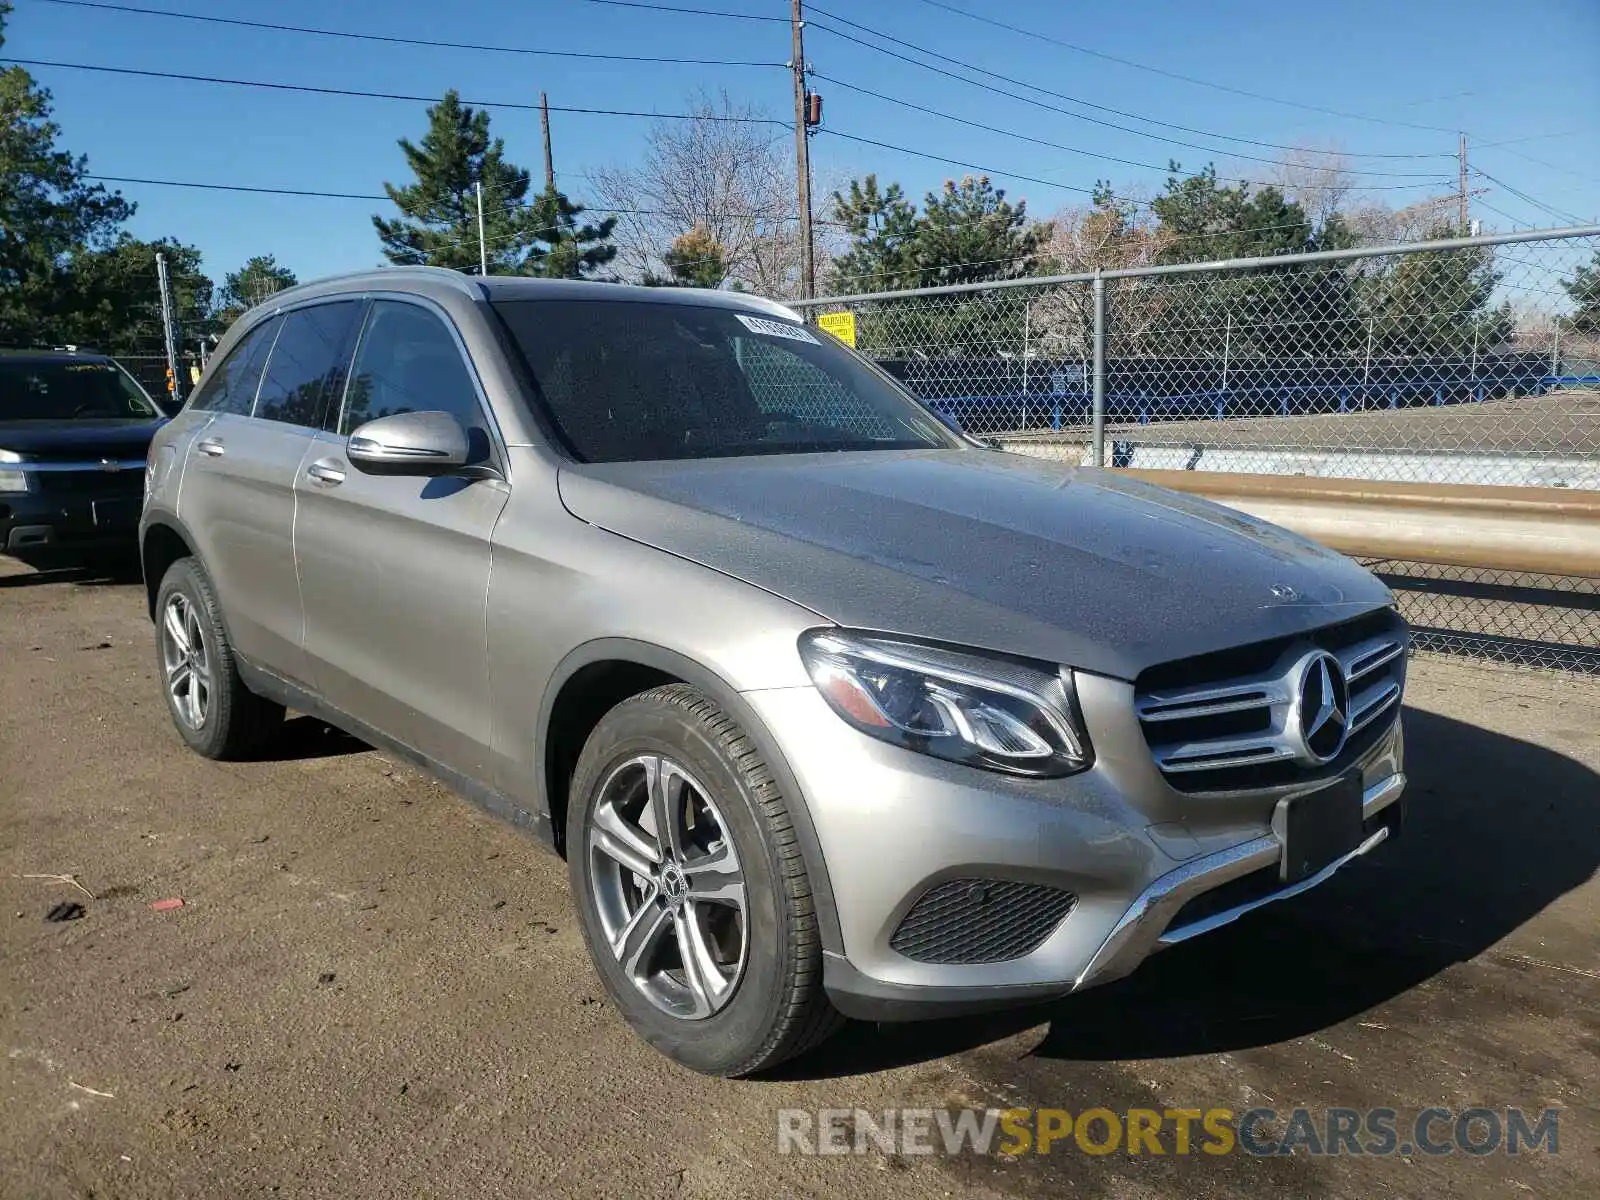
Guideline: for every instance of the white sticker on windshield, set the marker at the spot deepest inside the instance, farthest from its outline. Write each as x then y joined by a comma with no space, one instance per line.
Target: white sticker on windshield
781,329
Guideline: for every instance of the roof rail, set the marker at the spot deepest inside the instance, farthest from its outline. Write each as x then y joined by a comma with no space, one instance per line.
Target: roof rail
463,283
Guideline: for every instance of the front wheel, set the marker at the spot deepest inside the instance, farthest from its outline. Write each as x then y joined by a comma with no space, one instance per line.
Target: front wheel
690,887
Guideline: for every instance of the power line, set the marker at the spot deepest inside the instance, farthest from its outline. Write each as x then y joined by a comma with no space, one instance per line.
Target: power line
282,191
956,162
697,12
648,212
839,33
405,41
1530,137
970,166
235,187
327,91
1425,180
1558,214
1539,162
1501,212
1139,66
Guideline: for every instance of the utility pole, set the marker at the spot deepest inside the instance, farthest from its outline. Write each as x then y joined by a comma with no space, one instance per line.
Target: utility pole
802,150
483,249
544,129
169,331
1462,216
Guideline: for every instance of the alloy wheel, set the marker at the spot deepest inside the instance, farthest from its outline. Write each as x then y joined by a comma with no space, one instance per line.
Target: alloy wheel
668,887
186,661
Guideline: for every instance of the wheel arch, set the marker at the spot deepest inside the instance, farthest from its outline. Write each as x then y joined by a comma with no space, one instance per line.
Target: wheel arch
162,542
600,674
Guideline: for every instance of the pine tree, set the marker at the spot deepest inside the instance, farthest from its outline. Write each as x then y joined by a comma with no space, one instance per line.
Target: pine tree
559,246
439,221
260,278
1584,288
1206,221
970,233
49,211
1438,304
113,304
882,226
1273,312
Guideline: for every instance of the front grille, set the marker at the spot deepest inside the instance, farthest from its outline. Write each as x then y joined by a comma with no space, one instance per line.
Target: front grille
980,921
127,482
1233,719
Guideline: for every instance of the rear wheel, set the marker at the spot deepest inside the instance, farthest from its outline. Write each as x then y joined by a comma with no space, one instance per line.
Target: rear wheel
690,888
213,710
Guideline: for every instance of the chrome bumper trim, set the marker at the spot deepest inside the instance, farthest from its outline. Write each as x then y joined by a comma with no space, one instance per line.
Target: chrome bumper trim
109,466
1143,928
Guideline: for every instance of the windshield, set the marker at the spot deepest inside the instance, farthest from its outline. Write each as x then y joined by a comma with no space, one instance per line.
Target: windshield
44,390
626,381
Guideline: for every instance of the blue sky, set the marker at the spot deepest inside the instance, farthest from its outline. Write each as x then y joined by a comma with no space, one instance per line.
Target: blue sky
1530,73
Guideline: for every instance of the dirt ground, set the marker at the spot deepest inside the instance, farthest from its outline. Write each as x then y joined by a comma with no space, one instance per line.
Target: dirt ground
372,990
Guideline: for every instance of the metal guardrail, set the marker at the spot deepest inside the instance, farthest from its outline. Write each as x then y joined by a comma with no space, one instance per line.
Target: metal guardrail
1534,530
1500,573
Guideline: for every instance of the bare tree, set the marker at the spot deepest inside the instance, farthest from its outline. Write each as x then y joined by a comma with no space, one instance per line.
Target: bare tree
1377,224
1319,178
1110,234
725,171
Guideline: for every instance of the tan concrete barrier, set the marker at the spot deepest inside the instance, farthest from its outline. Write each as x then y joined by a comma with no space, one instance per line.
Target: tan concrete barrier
1547,531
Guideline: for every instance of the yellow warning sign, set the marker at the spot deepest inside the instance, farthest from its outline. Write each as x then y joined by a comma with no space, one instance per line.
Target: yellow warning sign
841,324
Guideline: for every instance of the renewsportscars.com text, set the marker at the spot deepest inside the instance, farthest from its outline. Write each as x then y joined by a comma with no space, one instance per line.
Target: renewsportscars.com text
1260,1132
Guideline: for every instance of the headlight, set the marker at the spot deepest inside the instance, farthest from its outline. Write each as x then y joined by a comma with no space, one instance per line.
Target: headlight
12,479
966,707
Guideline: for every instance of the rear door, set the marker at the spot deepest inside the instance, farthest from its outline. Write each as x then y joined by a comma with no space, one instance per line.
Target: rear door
238,495
395,570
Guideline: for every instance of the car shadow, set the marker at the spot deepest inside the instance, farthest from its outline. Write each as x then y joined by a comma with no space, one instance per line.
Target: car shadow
306,737
112,570
1496,829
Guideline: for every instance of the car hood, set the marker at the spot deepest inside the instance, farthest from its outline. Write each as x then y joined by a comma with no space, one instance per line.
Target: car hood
108,438
1014,554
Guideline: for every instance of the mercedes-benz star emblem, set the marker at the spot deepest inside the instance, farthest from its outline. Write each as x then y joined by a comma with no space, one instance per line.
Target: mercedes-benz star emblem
1324,707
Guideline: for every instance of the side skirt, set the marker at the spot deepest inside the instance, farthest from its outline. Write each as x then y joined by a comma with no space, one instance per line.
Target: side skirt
494,802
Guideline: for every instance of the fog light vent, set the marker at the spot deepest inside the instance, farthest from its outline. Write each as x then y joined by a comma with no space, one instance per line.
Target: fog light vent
980,921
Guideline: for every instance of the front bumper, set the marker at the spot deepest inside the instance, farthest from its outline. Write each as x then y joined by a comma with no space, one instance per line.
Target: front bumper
1142,862
102,513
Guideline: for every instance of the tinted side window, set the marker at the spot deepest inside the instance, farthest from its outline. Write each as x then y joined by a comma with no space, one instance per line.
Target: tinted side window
232,386
409,362
308,363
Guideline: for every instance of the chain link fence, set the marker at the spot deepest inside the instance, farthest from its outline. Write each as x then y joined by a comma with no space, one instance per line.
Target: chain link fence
193,315
142,348
1465,361
1550,621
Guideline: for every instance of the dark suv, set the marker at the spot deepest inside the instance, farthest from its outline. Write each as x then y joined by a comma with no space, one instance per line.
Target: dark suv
74,431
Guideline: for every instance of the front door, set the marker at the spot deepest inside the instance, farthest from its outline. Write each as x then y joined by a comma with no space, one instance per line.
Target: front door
237,499
395,570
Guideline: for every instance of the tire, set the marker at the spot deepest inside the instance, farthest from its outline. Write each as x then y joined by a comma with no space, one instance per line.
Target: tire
770,1006
233,722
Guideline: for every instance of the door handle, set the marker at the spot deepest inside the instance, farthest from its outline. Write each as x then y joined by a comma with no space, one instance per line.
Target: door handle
211,446
326,471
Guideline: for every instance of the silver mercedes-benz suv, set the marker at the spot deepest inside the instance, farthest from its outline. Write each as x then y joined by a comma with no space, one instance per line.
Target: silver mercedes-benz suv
830,709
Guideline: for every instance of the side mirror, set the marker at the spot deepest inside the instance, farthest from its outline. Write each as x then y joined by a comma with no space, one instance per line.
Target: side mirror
418,443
